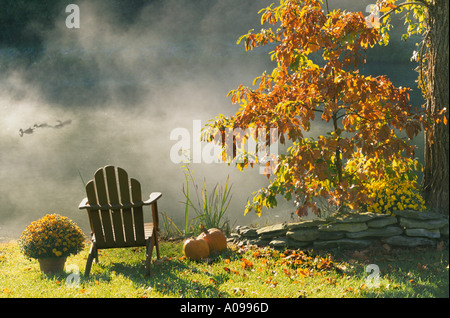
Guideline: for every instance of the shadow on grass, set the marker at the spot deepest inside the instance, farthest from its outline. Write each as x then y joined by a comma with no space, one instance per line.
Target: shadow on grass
404,272
168,277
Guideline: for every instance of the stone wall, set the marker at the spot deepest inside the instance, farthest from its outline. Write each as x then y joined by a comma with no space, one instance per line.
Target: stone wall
351,231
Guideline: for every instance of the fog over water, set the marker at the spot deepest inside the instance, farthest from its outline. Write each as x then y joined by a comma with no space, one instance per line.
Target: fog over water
111,92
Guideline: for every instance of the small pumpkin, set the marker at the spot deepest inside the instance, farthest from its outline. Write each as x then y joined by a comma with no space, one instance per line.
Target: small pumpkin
215,238
195,249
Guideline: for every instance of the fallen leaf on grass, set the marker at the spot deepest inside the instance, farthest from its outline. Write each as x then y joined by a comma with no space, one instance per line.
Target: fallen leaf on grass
303,272
239,290
6,291
331,280
228,270
303,293
422,267
246,264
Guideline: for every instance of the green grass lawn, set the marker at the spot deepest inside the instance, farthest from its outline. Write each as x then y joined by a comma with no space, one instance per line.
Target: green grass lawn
239,272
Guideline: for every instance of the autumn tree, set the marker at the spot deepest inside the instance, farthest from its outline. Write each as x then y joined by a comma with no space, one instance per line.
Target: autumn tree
316,78
430,20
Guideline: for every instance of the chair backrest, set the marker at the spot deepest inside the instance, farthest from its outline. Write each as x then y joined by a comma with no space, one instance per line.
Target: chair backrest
115,214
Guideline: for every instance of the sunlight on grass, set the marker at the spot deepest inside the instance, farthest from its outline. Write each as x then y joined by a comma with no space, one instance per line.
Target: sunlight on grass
238,272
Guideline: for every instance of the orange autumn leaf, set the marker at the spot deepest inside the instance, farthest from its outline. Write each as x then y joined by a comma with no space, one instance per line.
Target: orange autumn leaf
246,264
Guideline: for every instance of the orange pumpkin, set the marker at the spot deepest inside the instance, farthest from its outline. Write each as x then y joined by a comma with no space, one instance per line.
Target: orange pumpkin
215,238
195,249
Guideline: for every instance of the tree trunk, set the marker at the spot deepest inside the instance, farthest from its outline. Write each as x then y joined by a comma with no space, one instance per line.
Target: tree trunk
436,177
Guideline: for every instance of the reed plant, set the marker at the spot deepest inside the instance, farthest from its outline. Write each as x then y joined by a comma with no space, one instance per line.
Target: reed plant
209,206
201,207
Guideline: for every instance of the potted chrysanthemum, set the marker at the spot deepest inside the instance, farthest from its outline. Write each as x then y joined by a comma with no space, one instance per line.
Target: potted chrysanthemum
50,240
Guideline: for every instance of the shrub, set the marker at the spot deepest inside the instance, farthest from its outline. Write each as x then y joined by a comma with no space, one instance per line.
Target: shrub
396,189
51,236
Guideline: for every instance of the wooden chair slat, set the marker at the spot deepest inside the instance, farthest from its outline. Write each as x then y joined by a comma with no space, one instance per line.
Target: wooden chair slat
137,211
94,215
102,198
113,195
124,186
111,183
127,212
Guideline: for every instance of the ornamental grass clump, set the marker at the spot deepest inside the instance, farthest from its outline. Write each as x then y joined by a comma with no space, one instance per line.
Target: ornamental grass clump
51,236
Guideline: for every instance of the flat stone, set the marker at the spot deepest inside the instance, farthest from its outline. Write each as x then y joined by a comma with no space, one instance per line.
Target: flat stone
373,232
297,244
408,241
344,243
303,234
258,242
382,222
418,215
423,233
326,236
444,231
305,224
248,232
346,227
272,231
352,217
430,224
233,237
279,242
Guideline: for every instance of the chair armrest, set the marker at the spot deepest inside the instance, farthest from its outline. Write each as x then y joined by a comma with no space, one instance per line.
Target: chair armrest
152,198
84,204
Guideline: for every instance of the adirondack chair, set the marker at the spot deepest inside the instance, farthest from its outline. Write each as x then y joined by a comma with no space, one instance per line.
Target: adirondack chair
115,209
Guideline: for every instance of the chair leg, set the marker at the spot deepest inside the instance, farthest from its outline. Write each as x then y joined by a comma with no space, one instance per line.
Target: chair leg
156,227
155,238
149,251
92,254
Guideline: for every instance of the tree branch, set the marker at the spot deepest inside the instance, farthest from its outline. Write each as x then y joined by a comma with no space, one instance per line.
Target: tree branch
424,43
418,2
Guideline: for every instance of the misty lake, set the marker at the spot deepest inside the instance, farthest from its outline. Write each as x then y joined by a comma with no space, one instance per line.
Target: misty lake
110,94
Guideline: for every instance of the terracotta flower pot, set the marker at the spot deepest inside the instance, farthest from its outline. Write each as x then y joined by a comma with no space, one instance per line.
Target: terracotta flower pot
52,264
